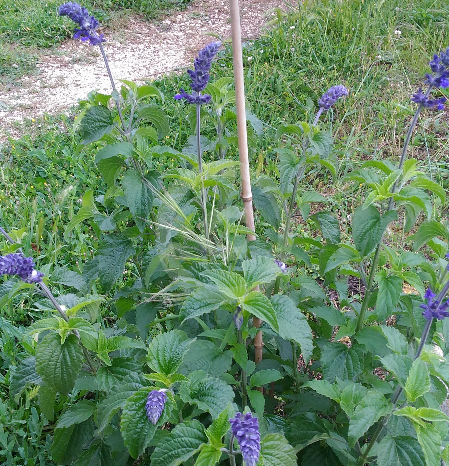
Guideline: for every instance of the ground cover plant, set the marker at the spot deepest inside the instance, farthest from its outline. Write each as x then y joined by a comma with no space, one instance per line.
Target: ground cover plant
143,347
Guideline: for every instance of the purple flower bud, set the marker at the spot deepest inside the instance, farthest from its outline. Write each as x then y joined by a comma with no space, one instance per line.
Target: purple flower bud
200,75
23,267
331,96
245,428
281,265
421,99
155,405
433,310
88,24
238,317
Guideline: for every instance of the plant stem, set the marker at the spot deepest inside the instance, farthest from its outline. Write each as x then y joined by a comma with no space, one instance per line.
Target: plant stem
200,170
243,375
116,97
231,451
368,289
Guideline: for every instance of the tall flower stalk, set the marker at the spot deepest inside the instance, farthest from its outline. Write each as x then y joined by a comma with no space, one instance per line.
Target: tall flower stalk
199,78
87,31
440,79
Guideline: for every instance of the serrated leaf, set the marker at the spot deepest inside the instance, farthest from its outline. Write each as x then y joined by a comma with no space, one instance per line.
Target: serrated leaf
23,376
264,377
65,276
259,305
47,397
183,442
259,270
430,441
59,364
110,168
209,456
276,451
111,150
399,365
115,401
98,454
205,355
112,257
67,443
323,387
76,414
137,430
367,412
208,393
396,340
148,91
368,227
340,361
229,283
390,288
138,197
219,427
96,122
202,301
342,255
399,451
330,314
429,230
122,370
303,431
166,351
240,355
155,116
351,396
430,185
418,380
328,225
257,401
293,324
267,204
289,164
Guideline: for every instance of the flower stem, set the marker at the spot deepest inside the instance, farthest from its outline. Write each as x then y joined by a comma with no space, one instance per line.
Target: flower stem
116,98
200,170
231,451
243,375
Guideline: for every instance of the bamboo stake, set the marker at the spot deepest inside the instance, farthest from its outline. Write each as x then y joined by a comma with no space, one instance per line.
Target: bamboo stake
246,193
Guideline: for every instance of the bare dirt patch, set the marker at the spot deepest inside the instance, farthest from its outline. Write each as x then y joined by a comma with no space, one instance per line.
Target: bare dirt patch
137,50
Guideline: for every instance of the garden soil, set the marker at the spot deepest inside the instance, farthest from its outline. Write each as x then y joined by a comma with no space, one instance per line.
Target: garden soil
137,50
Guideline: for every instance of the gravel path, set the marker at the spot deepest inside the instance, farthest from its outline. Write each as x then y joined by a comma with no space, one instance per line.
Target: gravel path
137,51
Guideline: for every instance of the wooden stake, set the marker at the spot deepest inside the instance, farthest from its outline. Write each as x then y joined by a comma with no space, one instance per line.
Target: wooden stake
246,193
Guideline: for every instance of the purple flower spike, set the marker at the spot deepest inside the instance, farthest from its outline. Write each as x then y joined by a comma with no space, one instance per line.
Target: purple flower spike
155,405
200,75
88,24
331,96
431,309
281,265
421,99
23,267
245,429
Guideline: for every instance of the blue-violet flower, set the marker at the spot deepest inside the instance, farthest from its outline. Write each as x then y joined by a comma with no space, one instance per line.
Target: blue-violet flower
281,265
331,96
431,309
23,267
245,428
155,405
421,99
88,24
200,75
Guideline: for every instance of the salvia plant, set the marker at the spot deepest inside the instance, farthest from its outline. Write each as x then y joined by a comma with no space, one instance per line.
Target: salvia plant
347,377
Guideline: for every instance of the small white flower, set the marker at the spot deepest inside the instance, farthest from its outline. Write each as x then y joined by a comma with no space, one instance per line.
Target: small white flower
378,57
250,58
397,32
292,27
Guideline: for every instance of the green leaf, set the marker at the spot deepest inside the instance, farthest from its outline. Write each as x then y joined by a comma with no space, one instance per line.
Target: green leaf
212,395
433,187
276,451
202,301
429,230
23,376
330,314
399,451
303,431
97,122
205,355
149,91
209,456
240,355
47,398
340,361
373,339
266,203
351,396
293,324
111,150
396,340
121,370
229,283
323,387
257,401
137,430
166,351
390,288
418,381
59,364
368,227
138,197
367,412
112,257
115,401
264,377
342,255
259,305
67,443
110,168
328,225
431,415
259,270
183,442
219,427
430,441
399,365
413,279
155,116
289,164
98,454
76,414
